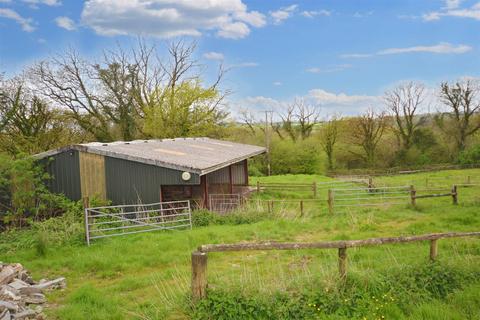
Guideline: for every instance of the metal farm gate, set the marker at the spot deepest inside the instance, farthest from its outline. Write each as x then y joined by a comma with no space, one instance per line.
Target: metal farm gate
224,203
111,221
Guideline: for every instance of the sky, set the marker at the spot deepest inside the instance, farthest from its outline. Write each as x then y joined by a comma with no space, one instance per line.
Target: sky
340,55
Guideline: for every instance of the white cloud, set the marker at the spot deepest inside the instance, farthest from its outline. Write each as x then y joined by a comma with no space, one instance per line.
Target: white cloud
452,4
329,102
166,18
25,23
212,55
235,30
452,9
65,23
324,97
244,65
441,48
335,68
362,14
35,3
277,83
283,13
314,13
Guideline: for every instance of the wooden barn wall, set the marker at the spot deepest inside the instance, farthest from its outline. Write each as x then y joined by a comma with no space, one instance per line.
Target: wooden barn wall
238,173
220,176
131,182
92,175
64,172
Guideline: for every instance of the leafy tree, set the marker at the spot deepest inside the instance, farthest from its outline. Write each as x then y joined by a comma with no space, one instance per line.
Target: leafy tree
191,111
28,123
328,139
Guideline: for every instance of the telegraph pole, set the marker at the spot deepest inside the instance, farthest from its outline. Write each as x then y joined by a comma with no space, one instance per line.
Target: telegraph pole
267,141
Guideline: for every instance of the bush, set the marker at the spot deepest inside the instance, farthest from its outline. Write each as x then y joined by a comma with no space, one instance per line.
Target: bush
471,156
301,157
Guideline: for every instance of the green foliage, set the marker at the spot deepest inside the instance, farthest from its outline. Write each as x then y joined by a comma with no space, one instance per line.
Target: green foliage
470,156
387,296
25,197
203,218
301,157
185,111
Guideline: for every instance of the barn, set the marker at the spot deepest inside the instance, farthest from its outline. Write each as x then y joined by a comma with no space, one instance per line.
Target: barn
149,171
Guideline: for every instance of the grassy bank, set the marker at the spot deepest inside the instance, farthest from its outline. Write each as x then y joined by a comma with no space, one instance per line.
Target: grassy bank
147,276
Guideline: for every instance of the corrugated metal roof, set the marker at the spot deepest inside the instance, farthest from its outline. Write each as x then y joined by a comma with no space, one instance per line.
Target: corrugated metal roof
199,155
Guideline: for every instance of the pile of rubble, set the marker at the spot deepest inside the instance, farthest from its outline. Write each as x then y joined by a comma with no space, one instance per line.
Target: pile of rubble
20,296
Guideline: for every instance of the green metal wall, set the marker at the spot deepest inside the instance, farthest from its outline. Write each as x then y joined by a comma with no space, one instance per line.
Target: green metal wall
64,171
130,182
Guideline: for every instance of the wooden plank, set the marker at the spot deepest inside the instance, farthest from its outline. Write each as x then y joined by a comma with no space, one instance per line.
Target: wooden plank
92,175
331,244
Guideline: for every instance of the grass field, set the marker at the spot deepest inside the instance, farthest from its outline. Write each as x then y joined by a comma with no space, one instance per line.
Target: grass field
147,276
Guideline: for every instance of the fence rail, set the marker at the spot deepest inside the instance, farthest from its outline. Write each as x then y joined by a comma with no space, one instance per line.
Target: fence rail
112,221
199,257
379,196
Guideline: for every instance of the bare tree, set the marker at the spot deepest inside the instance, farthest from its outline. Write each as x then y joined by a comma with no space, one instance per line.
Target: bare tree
463,119
134,95
367,131
299,119
404,102
307,116
247,117
328,138
288,122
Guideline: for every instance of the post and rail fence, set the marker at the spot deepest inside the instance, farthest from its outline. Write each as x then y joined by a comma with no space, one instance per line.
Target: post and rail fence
199,260
377,196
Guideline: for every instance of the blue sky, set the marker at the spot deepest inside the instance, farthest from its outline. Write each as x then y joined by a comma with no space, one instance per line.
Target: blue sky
341,55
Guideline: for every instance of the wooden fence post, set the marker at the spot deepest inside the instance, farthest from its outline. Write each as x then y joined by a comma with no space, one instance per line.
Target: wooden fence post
314,188
342,262
301,208
454,195
468,180
258,186
86,205
370,184
413,194
330,201
433,249
199,275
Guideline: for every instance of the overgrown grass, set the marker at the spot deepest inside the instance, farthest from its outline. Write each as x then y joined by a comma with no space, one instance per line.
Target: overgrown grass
146,276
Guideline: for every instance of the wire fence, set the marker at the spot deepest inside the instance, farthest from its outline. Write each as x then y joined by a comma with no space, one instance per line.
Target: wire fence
224,203
374,196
